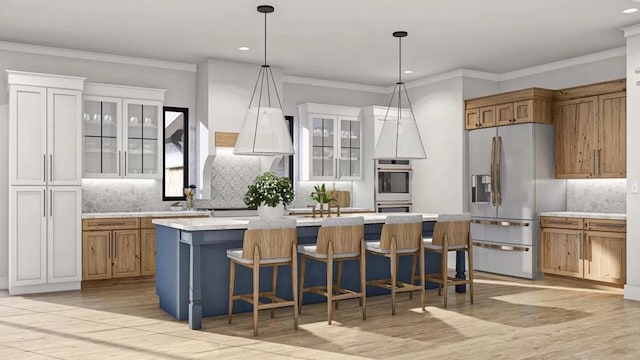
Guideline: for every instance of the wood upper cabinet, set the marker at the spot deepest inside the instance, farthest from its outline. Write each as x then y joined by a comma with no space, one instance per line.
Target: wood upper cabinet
472,119
576,137
516,107
597,252
590,137
126,253
561,252
147,252
612,152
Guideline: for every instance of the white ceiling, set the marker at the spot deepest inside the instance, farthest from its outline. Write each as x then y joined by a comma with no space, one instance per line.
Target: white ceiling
343,40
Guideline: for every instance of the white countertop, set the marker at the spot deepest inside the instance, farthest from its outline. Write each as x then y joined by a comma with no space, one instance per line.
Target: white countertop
126,214
608,216
343,210
232,223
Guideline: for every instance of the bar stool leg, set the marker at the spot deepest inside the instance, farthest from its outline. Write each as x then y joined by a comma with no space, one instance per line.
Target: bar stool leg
294,284
363,281
422,281
413,274
445,274
232,280
274,285
329,283
470,272
256,291
338,279
394,278
303,264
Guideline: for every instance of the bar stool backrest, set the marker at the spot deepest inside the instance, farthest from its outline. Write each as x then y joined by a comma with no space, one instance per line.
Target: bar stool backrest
406,229
456,227
345,233
274,238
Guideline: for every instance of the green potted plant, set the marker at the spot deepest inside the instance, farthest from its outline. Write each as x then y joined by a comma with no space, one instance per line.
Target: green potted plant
269,193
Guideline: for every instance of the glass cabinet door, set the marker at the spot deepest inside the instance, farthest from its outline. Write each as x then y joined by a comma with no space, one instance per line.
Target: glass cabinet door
322,154
101,118
350,144
142,138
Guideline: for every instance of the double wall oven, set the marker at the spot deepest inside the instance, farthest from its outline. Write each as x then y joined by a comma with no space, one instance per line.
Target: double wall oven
393,185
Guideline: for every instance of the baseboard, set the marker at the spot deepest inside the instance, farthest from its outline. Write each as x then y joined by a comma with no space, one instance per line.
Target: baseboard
4,282
632,292
42,288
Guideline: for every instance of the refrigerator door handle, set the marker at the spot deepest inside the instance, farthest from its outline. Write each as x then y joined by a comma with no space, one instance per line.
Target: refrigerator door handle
493,165
500,223
497,170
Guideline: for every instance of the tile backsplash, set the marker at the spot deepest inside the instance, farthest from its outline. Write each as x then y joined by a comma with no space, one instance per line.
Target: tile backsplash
230,176
597,195
116,195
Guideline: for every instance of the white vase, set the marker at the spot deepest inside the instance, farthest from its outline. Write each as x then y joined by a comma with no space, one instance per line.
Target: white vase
270,213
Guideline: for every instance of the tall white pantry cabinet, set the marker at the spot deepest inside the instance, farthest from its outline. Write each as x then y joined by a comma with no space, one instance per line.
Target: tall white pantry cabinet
45,182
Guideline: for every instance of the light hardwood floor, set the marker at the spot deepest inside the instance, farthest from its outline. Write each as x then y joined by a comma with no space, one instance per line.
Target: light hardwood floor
511,319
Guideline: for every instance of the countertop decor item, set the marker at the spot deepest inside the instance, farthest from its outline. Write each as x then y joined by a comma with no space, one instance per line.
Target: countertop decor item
264,131
396,128
269,193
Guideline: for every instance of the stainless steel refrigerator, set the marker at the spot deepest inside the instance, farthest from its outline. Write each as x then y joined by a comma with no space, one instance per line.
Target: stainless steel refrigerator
511,170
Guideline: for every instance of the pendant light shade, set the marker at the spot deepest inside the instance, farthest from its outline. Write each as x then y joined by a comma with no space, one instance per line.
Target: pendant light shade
264,131
399,138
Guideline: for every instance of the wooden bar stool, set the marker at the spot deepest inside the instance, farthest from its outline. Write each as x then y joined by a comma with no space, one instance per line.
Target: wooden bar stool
271,243
401,236
451,233
339,239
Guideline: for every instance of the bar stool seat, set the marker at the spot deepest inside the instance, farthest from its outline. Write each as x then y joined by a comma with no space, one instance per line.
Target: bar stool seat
339,239
266,243
374,246
428,244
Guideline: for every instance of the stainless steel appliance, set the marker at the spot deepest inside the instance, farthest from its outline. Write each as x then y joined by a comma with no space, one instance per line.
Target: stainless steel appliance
511,170
393,183
389,206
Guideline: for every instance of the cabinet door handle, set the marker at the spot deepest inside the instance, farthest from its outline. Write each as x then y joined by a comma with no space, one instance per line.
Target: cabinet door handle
44,168
125,163
593,160
51,167
598,160
119,162
51,202
44,203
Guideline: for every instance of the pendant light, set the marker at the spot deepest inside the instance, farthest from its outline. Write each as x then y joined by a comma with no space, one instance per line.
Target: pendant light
399,138
264,131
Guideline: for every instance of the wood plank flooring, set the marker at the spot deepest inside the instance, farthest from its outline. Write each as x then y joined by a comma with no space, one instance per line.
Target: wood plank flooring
511,319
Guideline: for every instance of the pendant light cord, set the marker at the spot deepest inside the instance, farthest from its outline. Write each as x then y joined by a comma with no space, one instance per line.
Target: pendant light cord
399,93
265,38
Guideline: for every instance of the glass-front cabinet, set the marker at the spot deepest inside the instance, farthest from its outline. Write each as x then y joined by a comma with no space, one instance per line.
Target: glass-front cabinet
121,136
330,142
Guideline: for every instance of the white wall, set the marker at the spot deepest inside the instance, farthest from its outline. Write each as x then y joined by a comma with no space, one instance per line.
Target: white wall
181,86
438,181
296,94
594,72
632,287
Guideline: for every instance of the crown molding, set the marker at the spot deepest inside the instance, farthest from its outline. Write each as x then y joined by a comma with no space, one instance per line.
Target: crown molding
562,64
631,30
290,79
451,75
96,56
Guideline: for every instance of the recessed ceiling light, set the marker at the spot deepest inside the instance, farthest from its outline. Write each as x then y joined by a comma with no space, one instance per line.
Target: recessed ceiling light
630,10
408,71
243,48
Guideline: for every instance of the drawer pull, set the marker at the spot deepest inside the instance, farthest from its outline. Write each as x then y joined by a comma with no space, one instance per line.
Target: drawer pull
608,225
112,224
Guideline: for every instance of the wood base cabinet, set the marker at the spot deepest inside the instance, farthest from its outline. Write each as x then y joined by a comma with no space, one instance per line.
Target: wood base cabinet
110,248
148,252
593,249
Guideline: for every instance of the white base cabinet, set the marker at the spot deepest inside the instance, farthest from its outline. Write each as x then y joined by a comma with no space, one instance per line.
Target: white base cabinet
45,236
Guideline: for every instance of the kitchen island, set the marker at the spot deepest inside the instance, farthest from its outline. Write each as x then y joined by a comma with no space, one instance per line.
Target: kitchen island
192,278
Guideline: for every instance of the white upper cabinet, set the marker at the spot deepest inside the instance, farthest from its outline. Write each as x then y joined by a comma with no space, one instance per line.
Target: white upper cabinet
122,132
330,146
44,122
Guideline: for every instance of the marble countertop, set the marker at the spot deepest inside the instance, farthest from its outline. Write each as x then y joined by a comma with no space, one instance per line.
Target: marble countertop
233,223
609,216
126,214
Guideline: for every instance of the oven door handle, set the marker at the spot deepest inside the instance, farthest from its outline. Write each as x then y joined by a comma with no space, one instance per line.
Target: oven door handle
387,205
382,169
